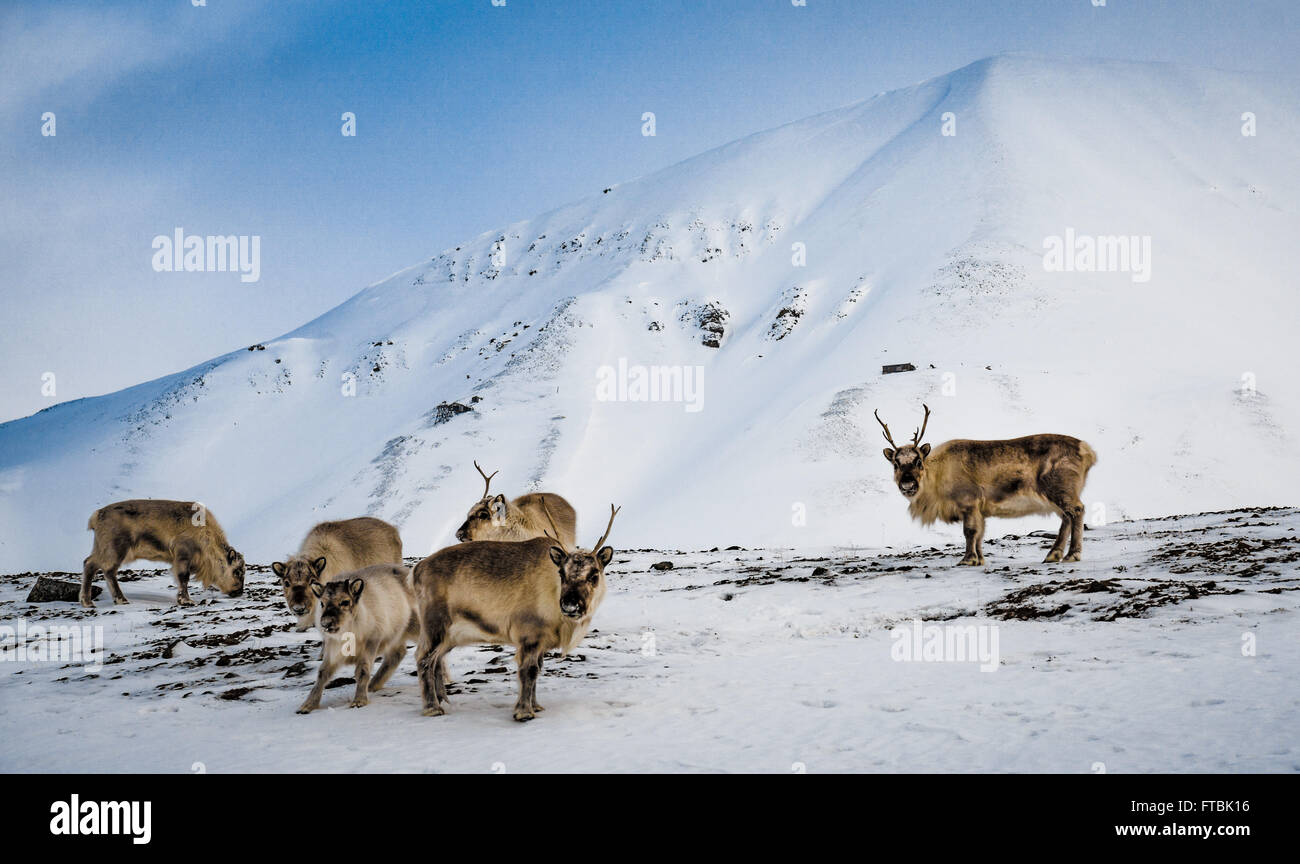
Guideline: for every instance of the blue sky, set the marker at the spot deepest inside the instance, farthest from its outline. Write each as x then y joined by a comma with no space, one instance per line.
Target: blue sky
225,119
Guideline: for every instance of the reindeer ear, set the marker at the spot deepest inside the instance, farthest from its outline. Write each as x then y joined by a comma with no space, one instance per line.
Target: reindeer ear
231,555
355,587
889,454
499,507
557,555
318,565
317,588
277,567
925,449
604,556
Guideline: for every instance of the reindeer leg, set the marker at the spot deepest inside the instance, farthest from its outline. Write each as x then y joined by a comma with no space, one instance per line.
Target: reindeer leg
1076,532
365,668
89,569
1056,487
528,670
1058,548
110,576
440,677
973,527
541,655
181,570
183,588
432,645
431,685
328,665
392,659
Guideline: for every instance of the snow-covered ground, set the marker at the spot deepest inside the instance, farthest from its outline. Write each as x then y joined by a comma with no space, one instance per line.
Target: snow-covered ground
1172,647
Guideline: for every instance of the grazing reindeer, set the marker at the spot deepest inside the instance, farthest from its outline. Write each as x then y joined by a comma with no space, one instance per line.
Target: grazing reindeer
503,593
329,549
362,615
181,533
520,519
969,481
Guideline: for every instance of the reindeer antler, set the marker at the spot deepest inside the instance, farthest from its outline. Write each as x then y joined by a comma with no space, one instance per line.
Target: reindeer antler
556,535
613,511
888,437
487,478
916,439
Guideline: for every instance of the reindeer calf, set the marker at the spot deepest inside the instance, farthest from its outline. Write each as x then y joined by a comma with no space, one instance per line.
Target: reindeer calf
181,533
362,615
970,481
329,549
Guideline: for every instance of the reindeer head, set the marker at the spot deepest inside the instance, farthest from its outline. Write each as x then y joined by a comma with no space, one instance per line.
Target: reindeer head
486,513
338,603
908,460
296,576
231,578
582,572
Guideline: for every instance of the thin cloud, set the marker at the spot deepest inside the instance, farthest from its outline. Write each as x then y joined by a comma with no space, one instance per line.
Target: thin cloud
80,52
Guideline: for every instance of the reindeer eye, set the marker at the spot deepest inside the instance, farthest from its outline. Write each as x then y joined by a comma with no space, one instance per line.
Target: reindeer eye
482,515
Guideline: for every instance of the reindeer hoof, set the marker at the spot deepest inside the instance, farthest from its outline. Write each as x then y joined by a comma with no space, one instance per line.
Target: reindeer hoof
306,709
537,707
523,716
1073,556
433,711
87,603
184,601
120,601
359,702
968,562
1052,557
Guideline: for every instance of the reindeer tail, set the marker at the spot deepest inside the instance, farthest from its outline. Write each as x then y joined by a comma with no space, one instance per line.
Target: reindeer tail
1088,455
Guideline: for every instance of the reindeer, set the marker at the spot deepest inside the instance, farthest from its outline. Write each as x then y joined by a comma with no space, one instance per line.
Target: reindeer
520,519
181,533
507,593
969,481
329,549
362,615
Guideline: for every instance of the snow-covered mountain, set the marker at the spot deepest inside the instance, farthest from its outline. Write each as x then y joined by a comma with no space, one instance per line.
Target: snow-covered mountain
918,247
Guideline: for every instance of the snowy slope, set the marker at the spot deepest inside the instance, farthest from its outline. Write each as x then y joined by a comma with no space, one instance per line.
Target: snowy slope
1133,661
920,248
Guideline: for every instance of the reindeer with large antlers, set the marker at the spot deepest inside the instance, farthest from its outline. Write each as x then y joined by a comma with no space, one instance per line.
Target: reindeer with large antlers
495,518
970,481
507,593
